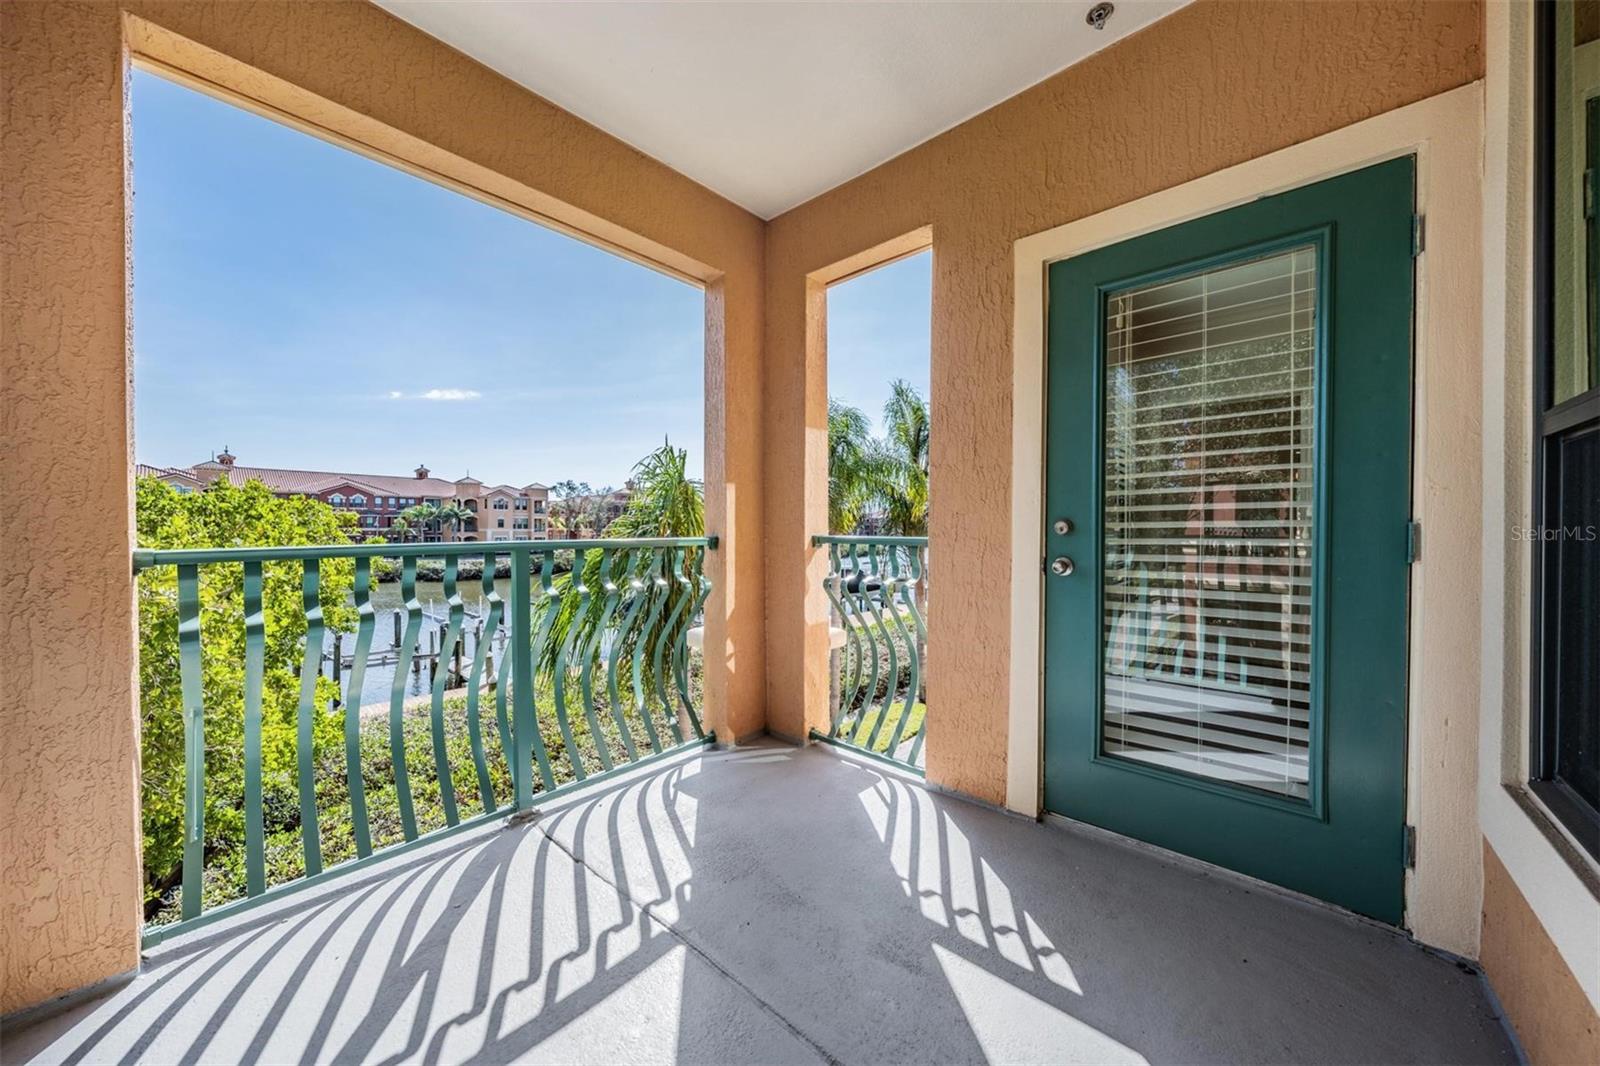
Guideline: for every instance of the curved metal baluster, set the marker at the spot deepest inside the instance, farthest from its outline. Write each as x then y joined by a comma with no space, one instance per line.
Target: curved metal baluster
255,649
397,696
311,599
919,572
502,686
641,598
663,638
911,651
552,602
441,676
651,590
352,707
479,654
892,682
552,610
830,586
613,597
191,686
694,564
856,629
571,650
856,623
872,627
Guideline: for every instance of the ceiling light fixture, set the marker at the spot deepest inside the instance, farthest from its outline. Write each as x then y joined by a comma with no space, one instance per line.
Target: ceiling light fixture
1099,15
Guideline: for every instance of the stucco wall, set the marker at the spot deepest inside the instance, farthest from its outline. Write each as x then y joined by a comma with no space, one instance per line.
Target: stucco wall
1210,86
69,864
1553,1017
69,910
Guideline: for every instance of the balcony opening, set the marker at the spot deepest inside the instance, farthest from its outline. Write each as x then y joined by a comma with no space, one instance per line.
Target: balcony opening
421,529
878,344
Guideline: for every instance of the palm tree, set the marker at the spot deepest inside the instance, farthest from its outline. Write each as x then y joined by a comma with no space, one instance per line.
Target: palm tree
666,502
400,526
453,515
422,517
904,463
886,477
851,462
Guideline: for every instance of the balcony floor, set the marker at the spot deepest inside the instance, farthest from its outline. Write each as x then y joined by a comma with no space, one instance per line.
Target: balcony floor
780,905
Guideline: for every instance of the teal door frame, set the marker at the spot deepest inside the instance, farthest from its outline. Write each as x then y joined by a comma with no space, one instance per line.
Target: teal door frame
1345,842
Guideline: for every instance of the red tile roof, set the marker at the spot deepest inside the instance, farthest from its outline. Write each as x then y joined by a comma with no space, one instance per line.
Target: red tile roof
317,482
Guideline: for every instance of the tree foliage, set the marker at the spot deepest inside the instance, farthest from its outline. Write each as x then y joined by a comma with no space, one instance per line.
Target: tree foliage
229,516
666,502
881,481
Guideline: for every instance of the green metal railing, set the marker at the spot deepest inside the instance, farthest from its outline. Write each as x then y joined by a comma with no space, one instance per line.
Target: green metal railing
619,619
877,589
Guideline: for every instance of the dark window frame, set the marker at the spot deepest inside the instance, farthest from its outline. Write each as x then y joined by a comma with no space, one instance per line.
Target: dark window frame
1552,423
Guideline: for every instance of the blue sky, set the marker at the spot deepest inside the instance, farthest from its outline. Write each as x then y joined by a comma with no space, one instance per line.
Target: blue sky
308,307
878,330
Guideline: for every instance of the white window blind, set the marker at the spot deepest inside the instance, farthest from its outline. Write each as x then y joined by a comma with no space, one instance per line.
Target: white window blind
1210,458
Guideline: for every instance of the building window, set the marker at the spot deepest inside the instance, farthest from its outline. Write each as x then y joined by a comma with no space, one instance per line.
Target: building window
522,504
391,501
538,525
336,499
1565,733
538,507
500,523
358,500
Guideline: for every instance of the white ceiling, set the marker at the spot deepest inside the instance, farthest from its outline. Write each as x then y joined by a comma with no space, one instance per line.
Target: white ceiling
770,103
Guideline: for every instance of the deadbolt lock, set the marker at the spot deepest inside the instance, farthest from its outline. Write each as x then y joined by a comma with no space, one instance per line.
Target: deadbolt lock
1062,526
1061,566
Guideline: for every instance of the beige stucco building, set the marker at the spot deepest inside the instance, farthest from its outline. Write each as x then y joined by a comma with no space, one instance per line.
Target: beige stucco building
499,512
1207,110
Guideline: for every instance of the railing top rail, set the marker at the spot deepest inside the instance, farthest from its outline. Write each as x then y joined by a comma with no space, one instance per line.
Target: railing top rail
821,539
145,558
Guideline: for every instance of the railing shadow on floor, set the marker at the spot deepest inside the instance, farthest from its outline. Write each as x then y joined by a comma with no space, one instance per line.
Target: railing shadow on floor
768,904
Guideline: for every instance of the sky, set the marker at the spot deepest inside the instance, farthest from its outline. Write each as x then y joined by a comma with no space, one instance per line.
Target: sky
308,307
879,329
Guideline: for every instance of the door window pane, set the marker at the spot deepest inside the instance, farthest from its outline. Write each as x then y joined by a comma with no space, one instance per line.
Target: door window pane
1209,482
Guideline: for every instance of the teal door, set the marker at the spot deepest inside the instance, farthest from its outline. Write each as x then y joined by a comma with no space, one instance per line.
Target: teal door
1228,500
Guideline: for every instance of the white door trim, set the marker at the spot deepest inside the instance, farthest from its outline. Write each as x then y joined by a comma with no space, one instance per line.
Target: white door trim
1446,133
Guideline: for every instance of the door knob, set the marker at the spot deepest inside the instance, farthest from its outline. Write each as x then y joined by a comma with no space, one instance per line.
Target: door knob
1061,566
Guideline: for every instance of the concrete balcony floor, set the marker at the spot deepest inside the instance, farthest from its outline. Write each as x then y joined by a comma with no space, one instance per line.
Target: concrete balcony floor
779,905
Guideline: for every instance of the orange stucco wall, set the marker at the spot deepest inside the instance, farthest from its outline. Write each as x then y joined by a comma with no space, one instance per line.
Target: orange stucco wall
1212,85
69,907
1553,1018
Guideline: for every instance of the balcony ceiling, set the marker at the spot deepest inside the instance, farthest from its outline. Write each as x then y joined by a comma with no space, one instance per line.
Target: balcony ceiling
771,104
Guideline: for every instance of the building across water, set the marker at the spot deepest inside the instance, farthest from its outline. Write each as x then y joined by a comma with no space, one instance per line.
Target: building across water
497,512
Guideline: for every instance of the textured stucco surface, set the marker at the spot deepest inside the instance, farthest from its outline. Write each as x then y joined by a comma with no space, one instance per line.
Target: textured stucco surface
69,910
1210,86
1553,1017
69,866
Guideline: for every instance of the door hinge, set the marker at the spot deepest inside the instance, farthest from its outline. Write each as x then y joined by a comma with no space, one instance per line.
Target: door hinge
1418,235
1410,846
1413,542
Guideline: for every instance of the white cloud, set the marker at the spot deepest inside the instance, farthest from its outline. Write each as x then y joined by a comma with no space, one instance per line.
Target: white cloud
441,395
